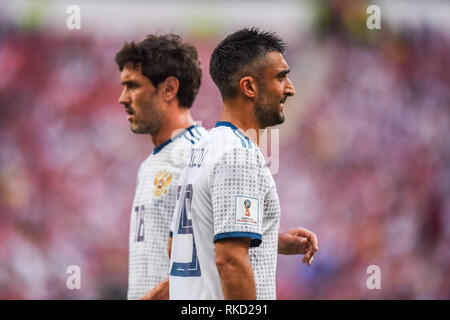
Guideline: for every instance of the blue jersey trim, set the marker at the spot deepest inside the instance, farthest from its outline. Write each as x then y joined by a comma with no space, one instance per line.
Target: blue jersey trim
245,137
226,124
240,138
171,234
190,140
236,131
191,132
162,145
255,242
198,132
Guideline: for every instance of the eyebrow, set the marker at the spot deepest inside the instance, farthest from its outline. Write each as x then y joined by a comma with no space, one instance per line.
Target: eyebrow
129,82
283,73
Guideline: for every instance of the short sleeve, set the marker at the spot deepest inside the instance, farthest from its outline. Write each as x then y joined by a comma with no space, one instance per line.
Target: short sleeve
239,183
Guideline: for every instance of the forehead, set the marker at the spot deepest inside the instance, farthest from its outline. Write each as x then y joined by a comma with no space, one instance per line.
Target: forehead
131,72
275,62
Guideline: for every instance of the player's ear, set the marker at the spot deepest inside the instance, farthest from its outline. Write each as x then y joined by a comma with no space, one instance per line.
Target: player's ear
169,88
248,86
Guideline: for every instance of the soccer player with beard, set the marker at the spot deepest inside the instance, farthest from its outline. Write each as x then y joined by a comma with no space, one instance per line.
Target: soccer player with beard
226,221
161,77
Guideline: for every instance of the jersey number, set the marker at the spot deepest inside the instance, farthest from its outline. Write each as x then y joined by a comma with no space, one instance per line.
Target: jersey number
139,223
186,269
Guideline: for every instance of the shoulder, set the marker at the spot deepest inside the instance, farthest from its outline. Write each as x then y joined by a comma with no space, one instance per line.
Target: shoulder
233,137
146,163
190,135
226,146
223,139
175,151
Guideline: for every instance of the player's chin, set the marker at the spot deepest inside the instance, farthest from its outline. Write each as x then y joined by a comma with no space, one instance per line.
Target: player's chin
281,117
271,116
278,115
273,121
278,119
135,128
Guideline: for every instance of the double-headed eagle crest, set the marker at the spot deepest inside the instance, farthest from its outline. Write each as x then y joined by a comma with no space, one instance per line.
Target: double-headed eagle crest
162,181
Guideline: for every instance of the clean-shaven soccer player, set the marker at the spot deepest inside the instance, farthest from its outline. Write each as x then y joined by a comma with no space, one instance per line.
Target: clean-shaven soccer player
225,227
161,77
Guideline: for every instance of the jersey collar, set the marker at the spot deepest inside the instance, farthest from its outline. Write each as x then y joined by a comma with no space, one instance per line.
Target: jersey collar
162,145
230,125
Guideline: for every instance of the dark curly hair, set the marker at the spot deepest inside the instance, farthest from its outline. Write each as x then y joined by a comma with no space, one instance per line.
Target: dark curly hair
163,56
235,57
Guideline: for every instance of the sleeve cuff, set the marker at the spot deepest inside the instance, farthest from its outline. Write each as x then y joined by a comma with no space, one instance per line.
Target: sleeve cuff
255,242
171,234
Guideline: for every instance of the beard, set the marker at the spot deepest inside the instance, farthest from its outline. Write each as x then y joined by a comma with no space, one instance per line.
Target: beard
149,120
268,112
150,126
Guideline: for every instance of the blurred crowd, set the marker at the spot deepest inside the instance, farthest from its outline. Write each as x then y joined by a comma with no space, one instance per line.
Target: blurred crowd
364,163
370,168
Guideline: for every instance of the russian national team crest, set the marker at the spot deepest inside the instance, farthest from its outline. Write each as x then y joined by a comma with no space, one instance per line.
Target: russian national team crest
247,210
162,182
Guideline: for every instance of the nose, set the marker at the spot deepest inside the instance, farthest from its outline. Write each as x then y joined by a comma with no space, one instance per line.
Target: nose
289,90
124,98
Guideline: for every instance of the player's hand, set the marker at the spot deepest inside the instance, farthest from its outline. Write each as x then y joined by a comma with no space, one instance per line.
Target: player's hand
299,241
160,292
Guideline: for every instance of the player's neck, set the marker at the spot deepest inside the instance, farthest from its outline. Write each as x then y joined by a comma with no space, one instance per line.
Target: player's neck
243,117
173,124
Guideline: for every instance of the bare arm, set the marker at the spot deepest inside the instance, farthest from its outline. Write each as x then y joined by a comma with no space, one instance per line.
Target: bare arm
170,246
235,270
161,291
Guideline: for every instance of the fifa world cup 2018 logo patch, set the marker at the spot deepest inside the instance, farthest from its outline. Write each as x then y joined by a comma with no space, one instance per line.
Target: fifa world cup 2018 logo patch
246,210
161,182
247,205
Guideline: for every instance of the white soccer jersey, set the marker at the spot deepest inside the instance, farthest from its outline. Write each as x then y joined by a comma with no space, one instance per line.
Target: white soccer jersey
225,191
152,211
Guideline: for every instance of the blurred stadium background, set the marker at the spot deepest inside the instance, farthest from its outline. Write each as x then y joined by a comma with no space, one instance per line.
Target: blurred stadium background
364,158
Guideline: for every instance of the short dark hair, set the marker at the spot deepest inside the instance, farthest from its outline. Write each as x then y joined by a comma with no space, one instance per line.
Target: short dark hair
234,55
163,56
